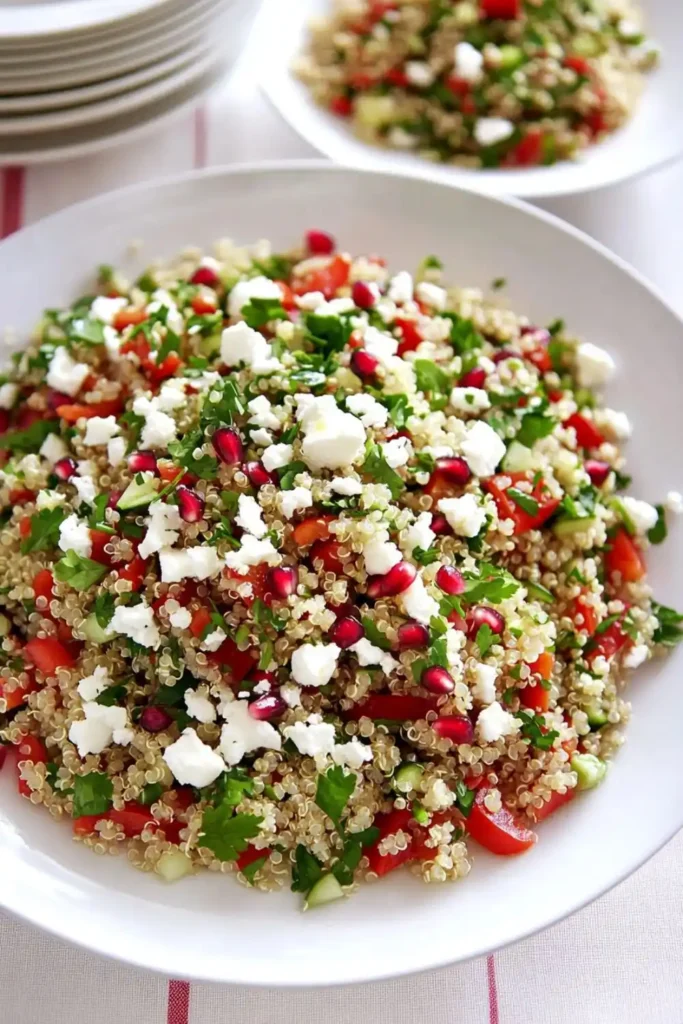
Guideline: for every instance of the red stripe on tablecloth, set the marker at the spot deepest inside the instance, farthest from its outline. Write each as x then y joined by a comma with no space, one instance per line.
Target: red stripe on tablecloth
12,211
200,138
493,990
178,1002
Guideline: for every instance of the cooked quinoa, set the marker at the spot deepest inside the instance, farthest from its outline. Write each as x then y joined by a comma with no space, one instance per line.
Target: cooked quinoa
309,569
480,83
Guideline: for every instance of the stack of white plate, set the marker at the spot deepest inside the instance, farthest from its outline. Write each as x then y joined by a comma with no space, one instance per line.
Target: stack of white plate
76,75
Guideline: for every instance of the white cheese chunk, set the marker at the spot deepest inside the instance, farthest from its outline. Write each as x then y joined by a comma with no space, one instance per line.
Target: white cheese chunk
163,523
465,515
468,62
370,412
250,516
594,366
489,131
253,288
192,762
332,439
641,513
482,448
242,733
136,622
199,563
99,728
484,688
380,556
296,500
417,603
252,551
64,374
277,456
469,400
74,535
314,664
199,706
494,722
368,654
90,687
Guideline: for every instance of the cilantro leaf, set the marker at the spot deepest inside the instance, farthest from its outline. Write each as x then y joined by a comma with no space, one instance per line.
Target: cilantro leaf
377,467
375,635
658,532
524,501
306,870
668,631
260,312
485,638
251,870
169,696
333,792
495,589
231,787
288,473
464,335
44,530
150,794
31,439
226,834
112,695
430,378
425,556
534,426
87,330
399,409
464,797
327,333
79,572
205,467
533,727
222,404
92,794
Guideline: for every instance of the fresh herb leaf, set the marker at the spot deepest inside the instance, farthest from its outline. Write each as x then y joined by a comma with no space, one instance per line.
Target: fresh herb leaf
430,378
603,626
30,439
464,336
151,793
79,572
288,473
223,403
533,729
534,426
658,532
112,695
524,501
399,409
377,467
464,797
485,638
327,333
425,556
92,794
44,530
498,283
226,834
333,792
260,312
89,331
170,696
306,870
251,870
205,467
668,631
492,585
375,635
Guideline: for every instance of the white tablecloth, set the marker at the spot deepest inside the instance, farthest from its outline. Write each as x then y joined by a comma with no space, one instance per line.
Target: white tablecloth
620,961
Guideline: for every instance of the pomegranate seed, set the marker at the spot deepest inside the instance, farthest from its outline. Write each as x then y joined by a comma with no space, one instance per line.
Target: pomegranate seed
482,615
374,589
319,243
114,497
363,295
190,505
437,680
265,708
142,462
346,632
412,634
283,581
364,364
454,469
228,445
258,475
398,579
450,580
205,276
598,471
440,525
57,398
64,468
155,719
505,353
456,728
474,379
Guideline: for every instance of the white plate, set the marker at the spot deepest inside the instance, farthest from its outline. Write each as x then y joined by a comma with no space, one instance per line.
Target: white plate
209,927
35,19
653,137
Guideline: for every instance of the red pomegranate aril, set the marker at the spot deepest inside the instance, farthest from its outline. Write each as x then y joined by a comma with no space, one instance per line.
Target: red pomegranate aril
412,635
258,475
64,468
265,708
398,579
450,580
456,728
319,243
283,581
598,471
481,615
205,276
363,364
155,719
190,505
57,398
142,462
474,379
454,469
363,295
114,498
437,680
346,632
228,445
440,525
505,353
374,588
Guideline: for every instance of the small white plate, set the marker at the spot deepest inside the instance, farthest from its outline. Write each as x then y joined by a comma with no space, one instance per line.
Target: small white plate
24,21
653,137
209,927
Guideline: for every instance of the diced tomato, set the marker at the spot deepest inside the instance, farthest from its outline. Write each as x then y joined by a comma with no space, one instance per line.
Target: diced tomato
181,798
398,77
624,557
43,586
458,86
98,540
21,495
608,643
410,335
48,654
536,696
362,81
172,830
25,527
287,299
259,578
168,471
134,571
72,413
439,486
158,372
327,552
328,279
15,698
540,358
388,824
544,665
587,434
550,806
250,855
311,529
201,618
596,123
395,707
29,748
499,831
508,509
588,614
504,9
85,825
578,64
137,345
202,306
239,663
132,818
127,317
528,152
342,106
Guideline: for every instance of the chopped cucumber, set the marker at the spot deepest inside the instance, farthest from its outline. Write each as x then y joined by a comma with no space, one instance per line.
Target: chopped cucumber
94,632
590,770
566,527
408,777
538,593
596,717
326,890
210,346
587,45
620,509
518,458
511,57
136,495
172,865
375,111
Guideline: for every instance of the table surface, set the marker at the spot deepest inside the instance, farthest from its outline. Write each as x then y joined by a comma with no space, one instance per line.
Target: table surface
618,961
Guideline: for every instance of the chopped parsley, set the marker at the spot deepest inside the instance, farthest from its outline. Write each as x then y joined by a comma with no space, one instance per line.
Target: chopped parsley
30,439
92,794
524,501
259,312
227,834
536,731
44,533
657,534
668,631
375,635
377,467
485,639
333,792
79,572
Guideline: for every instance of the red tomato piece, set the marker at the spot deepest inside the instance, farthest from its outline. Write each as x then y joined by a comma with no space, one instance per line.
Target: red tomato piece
250,855
312,529
25,527
528,152
327,552
15,698
550,806
388,824
127,317
258,577
587,434
202,306
508,509
134,571
158,372
624,557
410,335
20,495
44,586
287,300
540,358
99,539
504,9
342,106
608,643
535,696
72,413
48,654
201,617
458,86
587,612
328,279
238,663
132,819
578,64
85,825
395,707
499,832
398,77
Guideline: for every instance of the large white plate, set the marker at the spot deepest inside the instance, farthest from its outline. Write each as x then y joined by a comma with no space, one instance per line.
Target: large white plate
34,19
209,927
653,137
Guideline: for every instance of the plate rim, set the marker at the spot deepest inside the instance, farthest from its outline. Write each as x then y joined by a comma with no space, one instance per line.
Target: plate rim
67,18
101,945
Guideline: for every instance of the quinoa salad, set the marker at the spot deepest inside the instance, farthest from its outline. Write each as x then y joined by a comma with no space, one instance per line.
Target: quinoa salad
310,569
480,83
